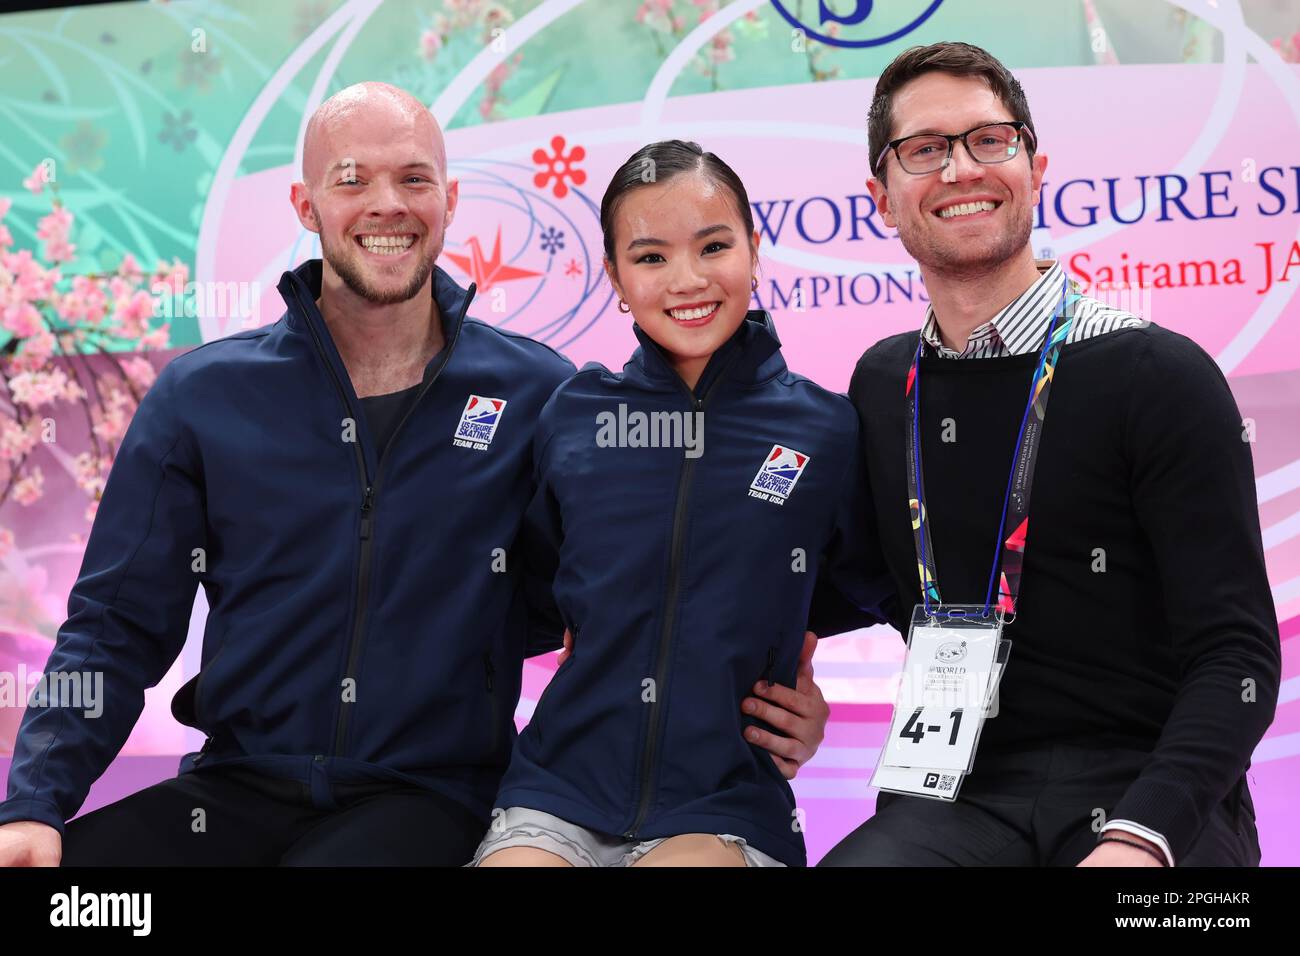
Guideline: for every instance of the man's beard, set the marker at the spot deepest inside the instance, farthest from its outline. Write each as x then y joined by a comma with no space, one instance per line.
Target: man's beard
348,268
942,259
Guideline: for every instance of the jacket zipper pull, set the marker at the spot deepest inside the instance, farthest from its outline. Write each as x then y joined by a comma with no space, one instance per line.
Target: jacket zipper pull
771,662
488,669
367,505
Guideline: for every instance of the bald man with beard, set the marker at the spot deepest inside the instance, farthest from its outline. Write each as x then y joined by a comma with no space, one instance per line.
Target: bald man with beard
347,485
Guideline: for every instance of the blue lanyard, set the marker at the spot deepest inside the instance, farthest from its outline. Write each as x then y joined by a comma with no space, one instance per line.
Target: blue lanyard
1033,418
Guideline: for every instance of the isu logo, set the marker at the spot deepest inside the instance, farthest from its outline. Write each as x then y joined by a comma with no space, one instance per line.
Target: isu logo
951,652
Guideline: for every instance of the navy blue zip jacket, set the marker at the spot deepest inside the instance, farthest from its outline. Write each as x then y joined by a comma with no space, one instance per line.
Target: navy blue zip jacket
685,579
360,624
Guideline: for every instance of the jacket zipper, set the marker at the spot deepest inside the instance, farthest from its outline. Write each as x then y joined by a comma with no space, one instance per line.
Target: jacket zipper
650,753
368,506
489,672
771,662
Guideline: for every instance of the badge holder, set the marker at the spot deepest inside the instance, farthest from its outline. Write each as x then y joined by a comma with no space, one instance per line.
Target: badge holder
956,655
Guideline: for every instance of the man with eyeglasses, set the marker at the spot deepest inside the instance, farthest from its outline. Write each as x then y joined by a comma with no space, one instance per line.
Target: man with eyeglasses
1145,655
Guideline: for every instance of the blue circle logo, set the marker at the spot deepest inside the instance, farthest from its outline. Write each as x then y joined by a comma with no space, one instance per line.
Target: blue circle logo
859,14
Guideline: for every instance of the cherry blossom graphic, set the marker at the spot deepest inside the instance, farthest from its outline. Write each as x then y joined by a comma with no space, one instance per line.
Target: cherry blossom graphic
73,358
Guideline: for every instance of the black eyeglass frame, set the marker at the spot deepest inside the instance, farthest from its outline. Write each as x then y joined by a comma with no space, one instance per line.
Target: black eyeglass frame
1022,129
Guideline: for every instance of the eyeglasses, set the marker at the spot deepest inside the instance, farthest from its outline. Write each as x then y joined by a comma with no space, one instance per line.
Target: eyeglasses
928,152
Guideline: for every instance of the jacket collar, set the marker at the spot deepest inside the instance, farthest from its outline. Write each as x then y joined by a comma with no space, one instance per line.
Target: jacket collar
300,288
751,356
1018,328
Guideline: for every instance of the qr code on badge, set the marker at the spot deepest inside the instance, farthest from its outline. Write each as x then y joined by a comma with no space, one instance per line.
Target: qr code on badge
940,781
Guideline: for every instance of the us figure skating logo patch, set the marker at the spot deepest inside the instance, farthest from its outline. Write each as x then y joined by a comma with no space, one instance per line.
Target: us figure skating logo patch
478,422
777,475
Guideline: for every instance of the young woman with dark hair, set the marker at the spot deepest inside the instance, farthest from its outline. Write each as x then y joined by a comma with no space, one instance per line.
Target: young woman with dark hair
688,504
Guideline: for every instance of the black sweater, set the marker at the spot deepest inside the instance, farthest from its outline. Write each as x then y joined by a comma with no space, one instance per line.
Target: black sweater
1142,457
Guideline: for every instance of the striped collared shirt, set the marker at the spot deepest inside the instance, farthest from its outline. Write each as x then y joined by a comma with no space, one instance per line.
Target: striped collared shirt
1021,327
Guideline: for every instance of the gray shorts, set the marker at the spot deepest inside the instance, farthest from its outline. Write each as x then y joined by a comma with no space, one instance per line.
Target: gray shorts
578,846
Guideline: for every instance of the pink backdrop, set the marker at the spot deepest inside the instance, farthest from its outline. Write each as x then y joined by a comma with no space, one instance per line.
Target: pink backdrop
801,152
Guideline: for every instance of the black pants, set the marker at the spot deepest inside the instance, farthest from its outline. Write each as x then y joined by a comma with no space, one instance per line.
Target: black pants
249,819
1035,808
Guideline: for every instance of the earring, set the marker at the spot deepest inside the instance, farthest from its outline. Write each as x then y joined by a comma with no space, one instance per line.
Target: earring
623,306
